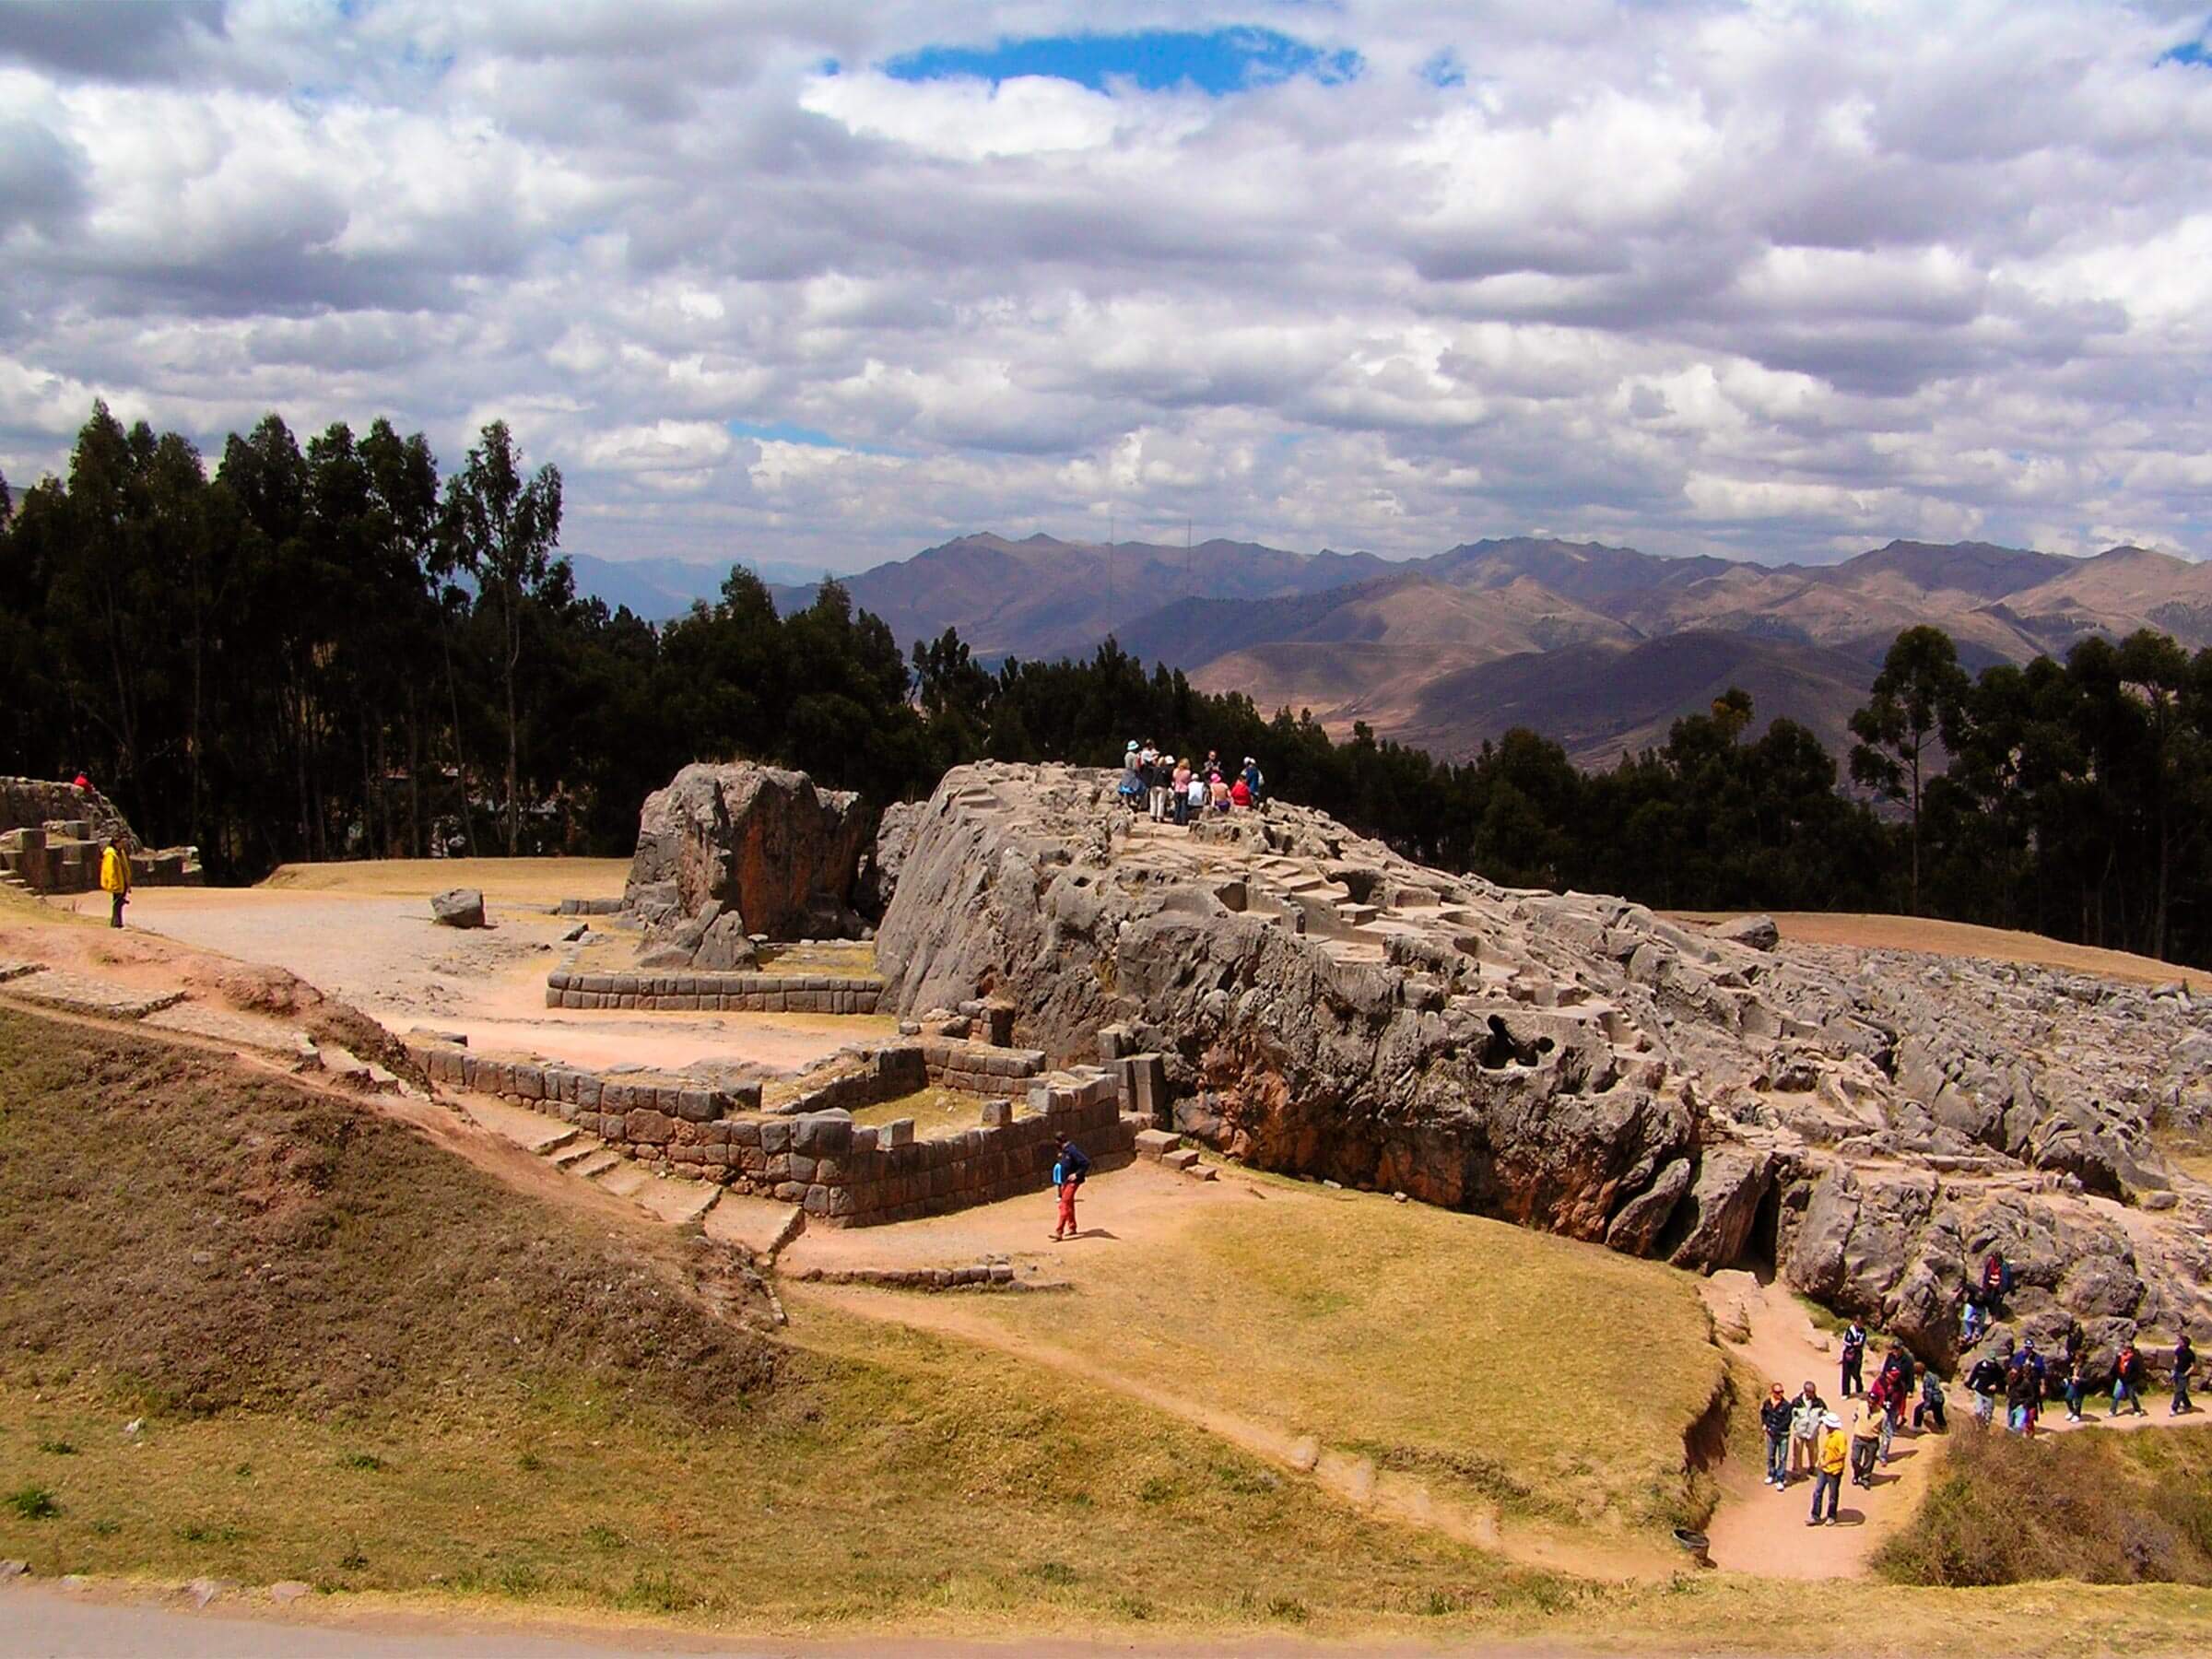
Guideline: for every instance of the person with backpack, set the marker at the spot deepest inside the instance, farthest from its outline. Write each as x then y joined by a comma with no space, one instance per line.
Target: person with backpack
1775,1417
1855,1357
1828,1474
2128,1380
1996,1283
1253,779
1805,1416
1985,1382
2184,1361
1069,1170
1928,1409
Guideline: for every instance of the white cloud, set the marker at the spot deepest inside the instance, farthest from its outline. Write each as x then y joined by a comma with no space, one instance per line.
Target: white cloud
1772,279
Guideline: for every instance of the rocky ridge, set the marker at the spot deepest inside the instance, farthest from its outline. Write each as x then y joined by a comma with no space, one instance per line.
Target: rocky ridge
1868,1123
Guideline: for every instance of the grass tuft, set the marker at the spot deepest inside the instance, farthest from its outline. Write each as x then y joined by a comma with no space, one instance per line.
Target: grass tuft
34,1503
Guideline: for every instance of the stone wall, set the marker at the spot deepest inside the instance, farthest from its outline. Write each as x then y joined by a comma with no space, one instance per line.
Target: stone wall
33,803
51,836
728,992
846,1175
551,1088
900,1068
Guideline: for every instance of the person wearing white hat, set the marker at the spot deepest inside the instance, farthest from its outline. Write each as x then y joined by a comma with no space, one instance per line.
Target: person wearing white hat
1828,1474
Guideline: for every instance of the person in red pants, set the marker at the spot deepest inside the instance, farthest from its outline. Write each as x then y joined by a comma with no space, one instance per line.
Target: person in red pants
1069,1170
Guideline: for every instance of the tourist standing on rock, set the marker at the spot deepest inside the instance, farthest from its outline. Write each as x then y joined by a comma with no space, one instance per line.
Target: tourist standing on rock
1069,1170
1855,1357
1180,780
2128,1380
2184,1361
1775,1417
1132,778
1996,1283
1969,1317
1198,794
115,880
1253,779
1804,1431
1828,1477
1985,1382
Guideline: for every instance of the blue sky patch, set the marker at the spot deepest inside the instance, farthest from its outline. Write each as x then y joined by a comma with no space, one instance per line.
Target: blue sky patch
2196,52
1445,70
1217,61
783,432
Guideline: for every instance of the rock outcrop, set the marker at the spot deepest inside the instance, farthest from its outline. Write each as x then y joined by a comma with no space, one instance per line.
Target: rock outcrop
729,852
1869,1123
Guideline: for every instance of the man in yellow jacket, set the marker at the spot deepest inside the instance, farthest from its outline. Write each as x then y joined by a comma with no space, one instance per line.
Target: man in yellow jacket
1827,1468
115,880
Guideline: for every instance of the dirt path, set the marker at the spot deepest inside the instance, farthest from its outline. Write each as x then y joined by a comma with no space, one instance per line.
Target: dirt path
97,1624
1758,1530
381,952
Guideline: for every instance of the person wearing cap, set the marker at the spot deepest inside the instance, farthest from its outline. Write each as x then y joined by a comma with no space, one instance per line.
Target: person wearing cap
1865,1438
1196,808
2023,1394
1985,1382
1774,1418
1827,1476
1253,779
1132,787
1853,1358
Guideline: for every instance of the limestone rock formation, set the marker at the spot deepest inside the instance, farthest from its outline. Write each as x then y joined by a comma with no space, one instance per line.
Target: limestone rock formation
1869,1123
727,852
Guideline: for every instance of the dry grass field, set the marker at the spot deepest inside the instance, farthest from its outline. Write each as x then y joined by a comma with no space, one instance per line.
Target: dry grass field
1863,932
502,880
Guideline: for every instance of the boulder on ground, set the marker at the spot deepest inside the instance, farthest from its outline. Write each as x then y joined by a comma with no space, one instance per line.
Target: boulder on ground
736,849
458,907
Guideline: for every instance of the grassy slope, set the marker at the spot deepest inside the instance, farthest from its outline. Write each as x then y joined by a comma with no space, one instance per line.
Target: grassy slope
2106,1507
1553,1376
389,1373
400,1439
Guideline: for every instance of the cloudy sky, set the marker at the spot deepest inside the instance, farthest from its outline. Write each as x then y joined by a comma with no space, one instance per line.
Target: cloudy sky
825,281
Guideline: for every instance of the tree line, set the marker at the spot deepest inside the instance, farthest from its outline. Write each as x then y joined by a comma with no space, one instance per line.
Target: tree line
328,650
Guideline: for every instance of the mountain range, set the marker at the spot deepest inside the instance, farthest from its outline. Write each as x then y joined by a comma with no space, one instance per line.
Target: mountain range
1599,647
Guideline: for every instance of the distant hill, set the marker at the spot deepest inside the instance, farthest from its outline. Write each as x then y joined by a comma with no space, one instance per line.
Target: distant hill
1044,597
1600,646
1600,699
658,589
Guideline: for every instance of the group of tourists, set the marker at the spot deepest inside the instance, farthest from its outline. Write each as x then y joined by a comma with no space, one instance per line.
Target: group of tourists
1805,1438
1178,791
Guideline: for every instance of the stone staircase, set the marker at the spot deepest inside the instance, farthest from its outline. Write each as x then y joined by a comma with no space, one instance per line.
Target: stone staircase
587,1158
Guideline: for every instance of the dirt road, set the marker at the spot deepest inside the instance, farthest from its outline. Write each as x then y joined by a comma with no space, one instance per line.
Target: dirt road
38,1622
